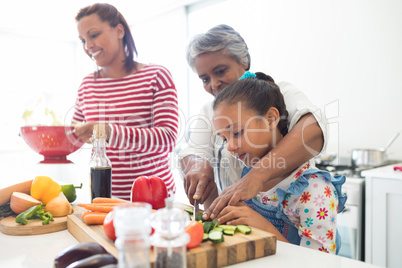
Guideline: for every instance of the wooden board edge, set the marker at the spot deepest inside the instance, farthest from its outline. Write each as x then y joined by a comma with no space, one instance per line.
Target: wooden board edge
32,230
73,223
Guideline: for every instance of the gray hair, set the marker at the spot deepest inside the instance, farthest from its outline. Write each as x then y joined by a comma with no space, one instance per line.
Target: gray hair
218,38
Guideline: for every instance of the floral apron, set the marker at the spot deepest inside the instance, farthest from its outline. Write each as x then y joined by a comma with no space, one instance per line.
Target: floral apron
277,217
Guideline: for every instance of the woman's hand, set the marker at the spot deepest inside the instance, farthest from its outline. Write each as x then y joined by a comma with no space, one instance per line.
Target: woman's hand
198,178
84,131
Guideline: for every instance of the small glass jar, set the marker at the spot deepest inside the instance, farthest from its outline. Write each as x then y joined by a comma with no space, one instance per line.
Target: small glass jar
132,226
170,239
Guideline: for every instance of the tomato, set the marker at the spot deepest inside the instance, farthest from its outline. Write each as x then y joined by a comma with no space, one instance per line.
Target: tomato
196,231
108,226
151,190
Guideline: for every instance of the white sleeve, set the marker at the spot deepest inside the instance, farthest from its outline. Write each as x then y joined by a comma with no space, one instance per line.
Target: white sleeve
297,105
202,135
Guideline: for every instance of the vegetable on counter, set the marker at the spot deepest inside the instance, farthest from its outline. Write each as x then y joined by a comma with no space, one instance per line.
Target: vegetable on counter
22,187
151,190
98,260
5,210
69,191
59,206
108,200
45,189
99,207
93,217
77,252
20,202
35,212
196,232
108,226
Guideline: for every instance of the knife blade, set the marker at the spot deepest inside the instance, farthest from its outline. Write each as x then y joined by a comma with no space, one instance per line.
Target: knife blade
196,209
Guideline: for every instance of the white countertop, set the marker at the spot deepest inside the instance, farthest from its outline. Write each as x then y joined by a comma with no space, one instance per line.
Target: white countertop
39,251
387,172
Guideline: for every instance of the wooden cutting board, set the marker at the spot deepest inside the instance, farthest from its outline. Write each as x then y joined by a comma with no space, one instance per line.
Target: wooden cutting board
10,227
234,249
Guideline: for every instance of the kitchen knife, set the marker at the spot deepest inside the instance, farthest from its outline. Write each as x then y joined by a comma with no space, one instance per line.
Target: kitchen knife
196,209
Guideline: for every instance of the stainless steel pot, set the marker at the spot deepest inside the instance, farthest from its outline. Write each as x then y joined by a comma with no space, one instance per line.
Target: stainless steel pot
366,158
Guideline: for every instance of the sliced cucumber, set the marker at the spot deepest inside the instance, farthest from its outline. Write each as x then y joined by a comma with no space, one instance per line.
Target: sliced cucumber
216,236
228,232
244,229
217,229
207,226
214,224
189,211
199,217
228,227
205,237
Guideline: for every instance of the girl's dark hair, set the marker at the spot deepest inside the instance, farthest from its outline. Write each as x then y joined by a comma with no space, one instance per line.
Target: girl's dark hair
108,13
258,94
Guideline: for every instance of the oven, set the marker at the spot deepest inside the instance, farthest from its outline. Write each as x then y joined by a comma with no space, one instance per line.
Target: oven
351,221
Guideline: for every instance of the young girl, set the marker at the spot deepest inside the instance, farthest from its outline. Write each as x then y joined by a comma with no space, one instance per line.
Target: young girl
251,117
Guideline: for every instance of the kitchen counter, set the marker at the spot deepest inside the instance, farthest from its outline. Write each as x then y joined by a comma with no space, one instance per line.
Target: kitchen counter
39,251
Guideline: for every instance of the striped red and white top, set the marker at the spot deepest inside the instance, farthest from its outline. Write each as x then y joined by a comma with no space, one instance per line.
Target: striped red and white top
142,111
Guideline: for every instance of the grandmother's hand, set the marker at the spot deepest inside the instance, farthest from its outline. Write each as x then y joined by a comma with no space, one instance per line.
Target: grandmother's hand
198,179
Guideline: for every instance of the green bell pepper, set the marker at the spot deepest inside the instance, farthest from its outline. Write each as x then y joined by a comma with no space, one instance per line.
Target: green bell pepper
69,191
35,212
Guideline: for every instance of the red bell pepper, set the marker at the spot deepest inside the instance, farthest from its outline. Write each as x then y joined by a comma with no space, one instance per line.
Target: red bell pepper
151,190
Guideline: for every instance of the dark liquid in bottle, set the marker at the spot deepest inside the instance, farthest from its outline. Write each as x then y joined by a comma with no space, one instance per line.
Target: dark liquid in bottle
101,182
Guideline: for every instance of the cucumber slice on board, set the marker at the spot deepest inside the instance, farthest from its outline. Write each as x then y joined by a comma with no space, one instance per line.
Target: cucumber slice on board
205,237
244,229
216,236
228,232
228,227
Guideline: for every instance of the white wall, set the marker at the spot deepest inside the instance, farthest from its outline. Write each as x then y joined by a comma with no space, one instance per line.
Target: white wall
344,55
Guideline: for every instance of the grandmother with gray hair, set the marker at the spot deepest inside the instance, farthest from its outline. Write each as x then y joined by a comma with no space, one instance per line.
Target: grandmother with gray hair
220,57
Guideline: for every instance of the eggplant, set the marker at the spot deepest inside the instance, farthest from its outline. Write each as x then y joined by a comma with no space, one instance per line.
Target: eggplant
77,252
94,261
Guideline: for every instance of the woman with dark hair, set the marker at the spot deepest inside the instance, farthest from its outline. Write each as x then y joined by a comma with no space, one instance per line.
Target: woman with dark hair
250,116
137,102
220,57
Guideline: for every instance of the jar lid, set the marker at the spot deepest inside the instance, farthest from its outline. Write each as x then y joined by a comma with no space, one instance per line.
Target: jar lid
170,222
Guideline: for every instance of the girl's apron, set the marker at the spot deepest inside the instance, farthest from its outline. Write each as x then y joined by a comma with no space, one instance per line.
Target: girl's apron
277,217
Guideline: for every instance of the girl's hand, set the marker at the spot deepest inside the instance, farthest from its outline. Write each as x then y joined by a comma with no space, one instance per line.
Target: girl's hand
242,214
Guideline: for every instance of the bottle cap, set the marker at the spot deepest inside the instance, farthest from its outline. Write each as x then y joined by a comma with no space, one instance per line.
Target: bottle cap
99,132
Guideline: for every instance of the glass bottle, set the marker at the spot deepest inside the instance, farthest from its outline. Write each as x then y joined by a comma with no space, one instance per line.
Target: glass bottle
100,165
170,239
133,229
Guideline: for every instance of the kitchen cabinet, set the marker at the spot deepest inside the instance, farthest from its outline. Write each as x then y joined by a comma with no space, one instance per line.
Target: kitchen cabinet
383,216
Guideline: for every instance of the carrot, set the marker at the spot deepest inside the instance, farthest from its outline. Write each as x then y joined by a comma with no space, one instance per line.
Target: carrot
103,204
86,212
95,217
98,208
108,200
22,187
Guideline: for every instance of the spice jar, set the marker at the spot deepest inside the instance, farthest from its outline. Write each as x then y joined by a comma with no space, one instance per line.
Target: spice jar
132,227
170,239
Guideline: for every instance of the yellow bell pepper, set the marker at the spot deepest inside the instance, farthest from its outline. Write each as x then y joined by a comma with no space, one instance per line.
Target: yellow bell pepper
45,189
